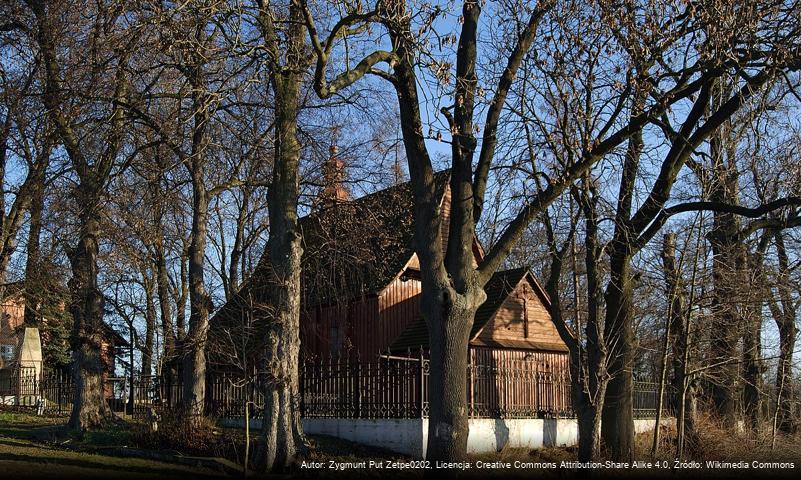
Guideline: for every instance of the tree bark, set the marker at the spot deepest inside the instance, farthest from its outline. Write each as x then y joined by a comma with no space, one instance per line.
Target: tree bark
752,353
181,294
194,346
33,277
679,343
591,397
194,361
727,323
449,320
450,295
150,323
785,318
282,433
238,250
618,414
89,404
165,301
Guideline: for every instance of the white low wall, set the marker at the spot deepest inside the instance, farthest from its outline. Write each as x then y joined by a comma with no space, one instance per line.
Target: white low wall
402,435
409,436
488,435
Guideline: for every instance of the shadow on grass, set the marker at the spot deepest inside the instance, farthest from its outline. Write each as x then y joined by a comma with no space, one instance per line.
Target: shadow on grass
26,432
13,443
104,468
113,434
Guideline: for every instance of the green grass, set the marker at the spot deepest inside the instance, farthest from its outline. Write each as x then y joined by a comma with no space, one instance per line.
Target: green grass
32,446
26,459
52,429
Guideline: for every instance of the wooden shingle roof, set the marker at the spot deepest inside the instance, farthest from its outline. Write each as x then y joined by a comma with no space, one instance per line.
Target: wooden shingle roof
350,250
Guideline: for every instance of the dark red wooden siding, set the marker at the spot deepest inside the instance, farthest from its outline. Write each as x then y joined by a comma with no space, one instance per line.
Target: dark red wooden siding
398,306
518,380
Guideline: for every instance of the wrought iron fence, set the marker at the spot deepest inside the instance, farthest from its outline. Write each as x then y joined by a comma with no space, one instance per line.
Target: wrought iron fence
398,387
50,391
388,387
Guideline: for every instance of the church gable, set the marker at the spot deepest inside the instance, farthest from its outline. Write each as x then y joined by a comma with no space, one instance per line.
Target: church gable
522,320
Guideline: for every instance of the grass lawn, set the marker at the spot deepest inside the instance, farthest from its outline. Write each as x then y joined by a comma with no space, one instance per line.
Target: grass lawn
32,446
26,453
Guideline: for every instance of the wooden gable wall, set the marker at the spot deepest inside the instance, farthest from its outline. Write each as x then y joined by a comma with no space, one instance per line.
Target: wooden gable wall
522,321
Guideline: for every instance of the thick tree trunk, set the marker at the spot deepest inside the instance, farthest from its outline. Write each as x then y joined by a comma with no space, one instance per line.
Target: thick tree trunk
727,323
89,404
618,415
282,433
785,318
449,318
617,428
589,425
150,325
194,360
181,294
86,306
33,277
165,302
194,347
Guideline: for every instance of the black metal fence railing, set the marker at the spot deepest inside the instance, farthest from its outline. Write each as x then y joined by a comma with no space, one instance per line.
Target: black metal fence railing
50,391
398,387
389,387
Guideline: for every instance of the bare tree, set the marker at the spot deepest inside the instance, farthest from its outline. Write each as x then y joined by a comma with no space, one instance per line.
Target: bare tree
283,35
452,287
94,70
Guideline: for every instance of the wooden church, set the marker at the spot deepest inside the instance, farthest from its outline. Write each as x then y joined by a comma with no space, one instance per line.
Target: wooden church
361,286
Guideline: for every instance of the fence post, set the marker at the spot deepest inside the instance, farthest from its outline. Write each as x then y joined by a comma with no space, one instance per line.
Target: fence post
421,383
60,376
471,391
357,386
302,382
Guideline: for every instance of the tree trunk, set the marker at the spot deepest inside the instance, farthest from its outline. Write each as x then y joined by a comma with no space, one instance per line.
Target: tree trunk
674,304
181,294
752,362
617,428
592,395
787,421
238,252
679,318
618,414
89,404
194,361
5,254
150,324
165,305
727,272
785,318
282,433
449,318
589,425
33,277
727,323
